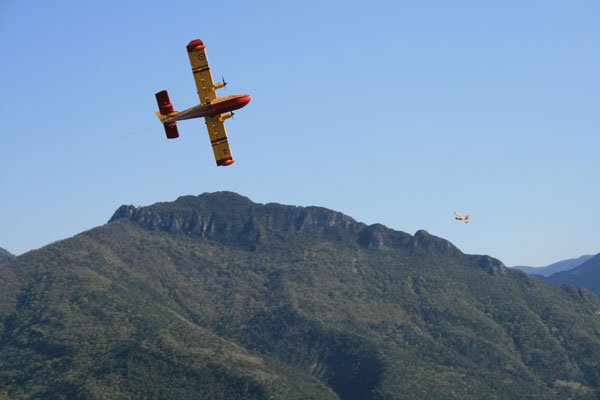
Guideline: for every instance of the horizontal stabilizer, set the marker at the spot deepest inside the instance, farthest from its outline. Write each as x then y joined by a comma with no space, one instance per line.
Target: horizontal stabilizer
171,130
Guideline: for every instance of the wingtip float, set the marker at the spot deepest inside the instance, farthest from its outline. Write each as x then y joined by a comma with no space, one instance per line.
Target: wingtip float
215,110
461,218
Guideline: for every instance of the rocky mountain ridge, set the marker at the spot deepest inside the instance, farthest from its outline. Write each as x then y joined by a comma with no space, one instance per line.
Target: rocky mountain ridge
209,216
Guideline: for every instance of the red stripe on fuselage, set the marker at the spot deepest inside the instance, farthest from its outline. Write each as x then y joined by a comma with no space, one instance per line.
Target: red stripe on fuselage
198,70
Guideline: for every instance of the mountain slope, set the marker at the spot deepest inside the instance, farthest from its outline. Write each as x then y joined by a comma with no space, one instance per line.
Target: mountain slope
5,255
587,275
219,296
553,268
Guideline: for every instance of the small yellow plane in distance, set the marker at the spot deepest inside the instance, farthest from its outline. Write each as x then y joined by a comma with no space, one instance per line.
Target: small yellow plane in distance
215,110
461,218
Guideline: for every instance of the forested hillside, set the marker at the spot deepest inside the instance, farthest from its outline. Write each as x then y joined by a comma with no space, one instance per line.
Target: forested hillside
214,296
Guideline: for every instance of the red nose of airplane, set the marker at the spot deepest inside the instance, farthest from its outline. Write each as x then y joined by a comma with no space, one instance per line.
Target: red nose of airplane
237,101
229,103
245,99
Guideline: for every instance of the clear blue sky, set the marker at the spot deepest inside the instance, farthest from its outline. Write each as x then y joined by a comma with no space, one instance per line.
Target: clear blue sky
396,112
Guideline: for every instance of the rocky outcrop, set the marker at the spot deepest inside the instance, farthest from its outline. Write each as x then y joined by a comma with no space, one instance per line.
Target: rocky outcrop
491,265
235,219
225,216
423,240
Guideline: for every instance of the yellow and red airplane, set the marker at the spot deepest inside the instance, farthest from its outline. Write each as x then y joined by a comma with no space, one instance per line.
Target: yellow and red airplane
215,110
461,218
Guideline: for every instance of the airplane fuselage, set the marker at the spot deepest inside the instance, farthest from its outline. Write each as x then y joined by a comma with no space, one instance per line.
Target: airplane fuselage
220,105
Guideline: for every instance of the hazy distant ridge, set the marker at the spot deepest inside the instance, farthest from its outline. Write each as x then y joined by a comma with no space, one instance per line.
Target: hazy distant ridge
559,266
586,275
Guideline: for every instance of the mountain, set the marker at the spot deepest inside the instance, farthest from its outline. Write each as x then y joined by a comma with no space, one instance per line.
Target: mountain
5,255
217,297
587,275
559,266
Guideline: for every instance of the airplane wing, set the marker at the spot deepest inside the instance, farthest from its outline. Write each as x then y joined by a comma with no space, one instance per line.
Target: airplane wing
457,214
218,139
202,75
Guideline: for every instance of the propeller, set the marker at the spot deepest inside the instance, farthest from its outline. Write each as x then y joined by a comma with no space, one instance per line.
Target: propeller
224,83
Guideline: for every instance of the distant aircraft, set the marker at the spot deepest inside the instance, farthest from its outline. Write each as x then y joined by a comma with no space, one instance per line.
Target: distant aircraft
461,218
215,110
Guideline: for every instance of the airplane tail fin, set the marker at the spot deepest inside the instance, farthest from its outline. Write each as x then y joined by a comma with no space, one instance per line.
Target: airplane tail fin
165,109
164,104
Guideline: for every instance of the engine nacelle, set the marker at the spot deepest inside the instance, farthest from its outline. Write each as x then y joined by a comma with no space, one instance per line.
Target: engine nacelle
225,116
